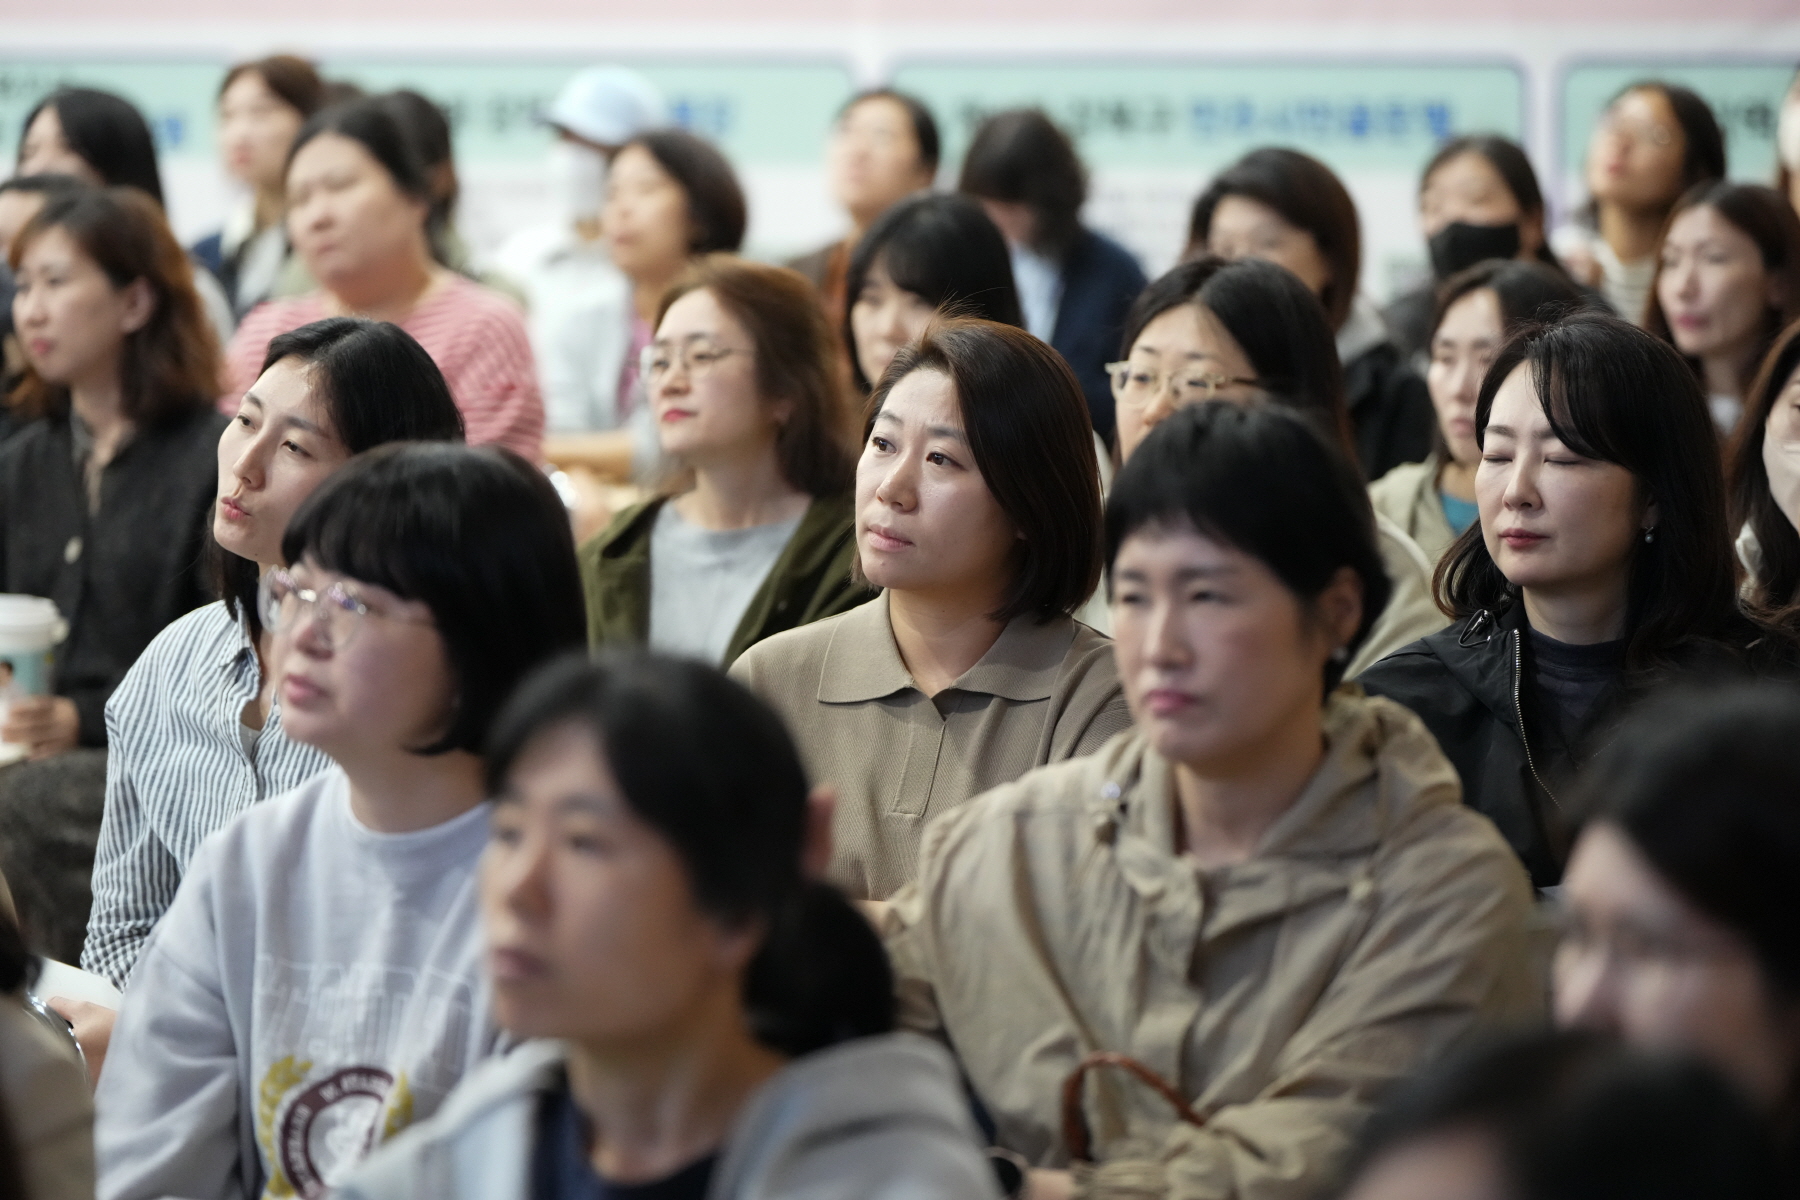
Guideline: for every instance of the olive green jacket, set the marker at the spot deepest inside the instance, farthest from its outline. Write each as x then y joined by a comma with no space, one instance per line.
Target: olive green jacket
809,581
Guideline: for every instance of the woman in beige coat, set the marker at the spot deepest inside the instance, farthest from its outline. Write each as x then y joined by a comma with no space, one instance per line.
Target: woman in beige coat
1268,893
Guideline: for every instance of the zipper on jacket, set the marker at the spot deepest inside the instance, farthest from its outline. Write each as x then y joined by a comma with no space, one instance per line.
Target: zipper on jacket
1519,710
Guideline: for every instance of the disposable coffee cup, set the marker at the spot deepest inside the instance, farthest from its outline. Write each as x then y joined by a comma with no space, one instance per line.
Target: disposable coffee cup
30,631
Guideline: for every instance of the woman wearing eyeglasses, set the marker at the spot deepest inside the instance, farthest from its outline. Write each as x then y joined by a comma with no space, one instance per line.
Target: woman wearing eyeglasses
1247,331
752,535
317,984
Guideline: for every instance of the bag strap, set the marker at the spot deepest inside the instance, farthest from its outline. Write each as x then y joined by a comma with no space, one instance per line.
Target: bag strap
1074,1117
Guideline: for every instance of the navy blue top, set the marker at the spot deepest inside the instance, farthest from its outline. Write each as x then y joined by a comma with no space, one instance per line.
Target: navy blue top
560,1169
1100,280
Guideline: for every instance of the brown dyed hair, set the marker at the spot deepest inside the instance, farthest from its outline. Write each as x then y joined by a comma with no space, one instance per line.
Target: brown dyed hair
294,81
1776,587
169,367
798,360
1764,216
1027,422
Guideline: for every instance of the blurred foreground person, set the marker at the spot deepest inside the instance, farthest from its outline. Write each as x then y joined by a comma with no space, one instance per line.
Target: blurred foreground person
713,1026
1267,894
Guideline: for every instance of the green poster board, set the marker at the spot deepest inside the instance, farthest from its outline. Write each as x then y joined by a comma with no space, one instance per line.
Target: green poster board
1746,97
1203,115
760,113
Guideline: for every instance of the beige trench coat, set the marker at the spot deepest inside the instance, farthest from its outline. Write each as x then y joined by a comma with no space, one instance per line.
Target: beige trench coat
1379,922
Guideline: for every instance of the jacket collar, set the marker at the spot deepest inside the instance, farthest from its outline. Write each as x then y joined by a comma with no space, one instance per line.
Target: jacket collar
863,663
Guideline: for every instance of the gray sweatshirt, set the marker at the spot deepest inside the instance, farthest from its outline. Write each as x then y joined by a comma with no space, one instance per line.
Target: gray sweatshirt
878,1118
314,988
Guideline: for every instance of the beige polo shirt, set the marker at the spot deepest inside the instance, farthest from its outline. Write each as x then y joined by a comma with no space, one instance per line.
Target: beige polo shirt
1043,693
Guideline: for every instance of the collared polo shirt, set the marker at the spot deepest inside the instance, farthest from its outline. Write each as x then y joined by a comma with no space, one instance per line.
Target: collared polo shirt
1044,692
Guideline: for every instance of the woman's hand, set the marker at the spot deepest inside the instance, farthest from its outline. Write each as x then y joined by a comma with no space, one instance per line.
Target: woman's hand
93,1029
46,724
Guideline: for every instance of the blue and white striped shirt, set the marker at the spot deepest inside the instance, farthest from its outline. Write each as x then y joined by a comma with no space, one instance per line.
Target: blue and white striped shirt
177,769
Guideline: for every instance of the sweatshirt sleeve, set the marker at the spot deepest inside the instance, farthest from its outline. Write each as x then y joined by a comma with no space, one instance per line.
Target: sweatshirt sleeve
167,1110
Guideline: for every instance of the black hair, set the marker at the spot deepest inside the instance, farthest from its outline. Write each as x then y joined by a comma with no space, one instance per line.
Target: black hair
924,125
1703,141
1307,195
427,126
18,965
1021,156
715,199
1511,163
42,185
1613,393
712,770
109,134
1775,584
1279,324
1528,292
1576,1116
943,249
377,385
371,122
1702,782
1032,440
1266,480
476,534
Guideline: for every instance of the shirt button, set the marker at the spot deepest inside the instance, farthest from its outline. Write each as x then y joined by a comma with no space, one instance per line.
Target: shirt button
72,551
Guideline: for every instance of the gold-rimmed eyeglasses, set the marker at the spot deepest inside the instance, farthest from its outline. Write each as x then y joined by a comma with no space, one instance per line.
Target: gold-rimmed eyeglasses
695,356
1137,386
282,603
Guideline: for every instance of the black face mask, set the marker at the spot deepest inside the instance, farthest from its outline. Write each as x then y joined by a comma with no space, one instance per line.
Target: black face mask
1459,246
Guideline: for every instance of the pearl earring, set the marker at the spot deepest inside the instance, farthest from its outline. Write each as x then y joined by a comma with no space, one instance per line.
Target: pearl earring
1649,535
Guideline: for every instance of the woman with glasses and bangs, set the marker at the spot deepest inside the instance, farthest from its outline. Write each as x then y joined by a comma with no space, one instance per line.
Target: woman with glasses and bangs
1249,331
317,984
752,534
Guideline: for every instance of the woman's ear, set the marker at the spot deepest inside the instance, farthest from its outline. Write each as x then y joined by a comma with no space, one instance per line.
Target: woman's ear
1652,516
139,307
1340,607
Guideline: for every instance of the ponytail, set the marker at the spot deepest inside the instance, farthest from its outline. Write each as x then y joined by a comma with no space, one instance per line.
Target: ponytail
821,977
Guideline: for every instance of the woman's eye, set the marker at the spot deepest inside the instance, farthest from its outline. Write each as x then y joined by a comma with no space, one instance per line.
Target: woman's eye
504,834
938,458
880,443
296,447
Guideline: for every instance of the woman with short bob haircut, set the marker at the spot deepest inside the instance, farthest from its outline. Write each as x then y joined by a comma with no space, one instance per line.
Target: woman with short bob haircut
1266,892
1727,281
1681,890
200,703
978,514
1249,331
1765,481
1291,209
359,216
651,928
924,256
328,942
753,536
1601,563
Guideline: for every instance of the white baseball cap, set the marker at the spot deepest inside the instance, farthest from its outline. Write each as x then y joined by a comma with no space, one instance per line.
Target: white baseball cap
607,106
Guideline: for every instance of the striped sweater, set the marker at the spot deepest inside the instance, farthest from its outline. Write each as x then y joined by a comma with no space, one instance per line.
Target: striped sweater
476,336
177,770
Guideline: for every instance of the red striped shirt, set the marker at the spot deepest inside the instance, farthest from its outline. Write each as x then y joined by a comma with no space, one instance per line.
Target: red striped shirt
476,336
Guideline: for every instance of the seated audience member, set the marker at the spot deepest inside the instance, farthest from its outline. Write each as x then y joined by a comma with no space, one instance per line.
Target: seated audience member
103,140
648,921
1653,143
359,215
577,300
262,105
20,198
1681,892
747,388
1290,209
925,256
317,983
978,513
1727,281
1787,145
1244,331
1075,285
1765,480
1599,565
883,148
1561,1116
195,729
671,198
1478,199
46,1111
1477,310
1266,893
103,500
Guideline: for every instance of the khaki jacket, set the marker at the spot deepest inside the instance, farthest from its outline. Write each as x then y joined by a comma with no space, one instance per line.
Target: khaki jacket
1379,922
1411,613
1408,496
809,581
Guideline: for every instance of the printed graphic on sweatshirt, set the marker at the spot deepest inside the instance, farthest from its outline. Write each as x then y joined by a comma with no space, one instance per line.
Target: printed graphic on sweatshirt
349,1054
